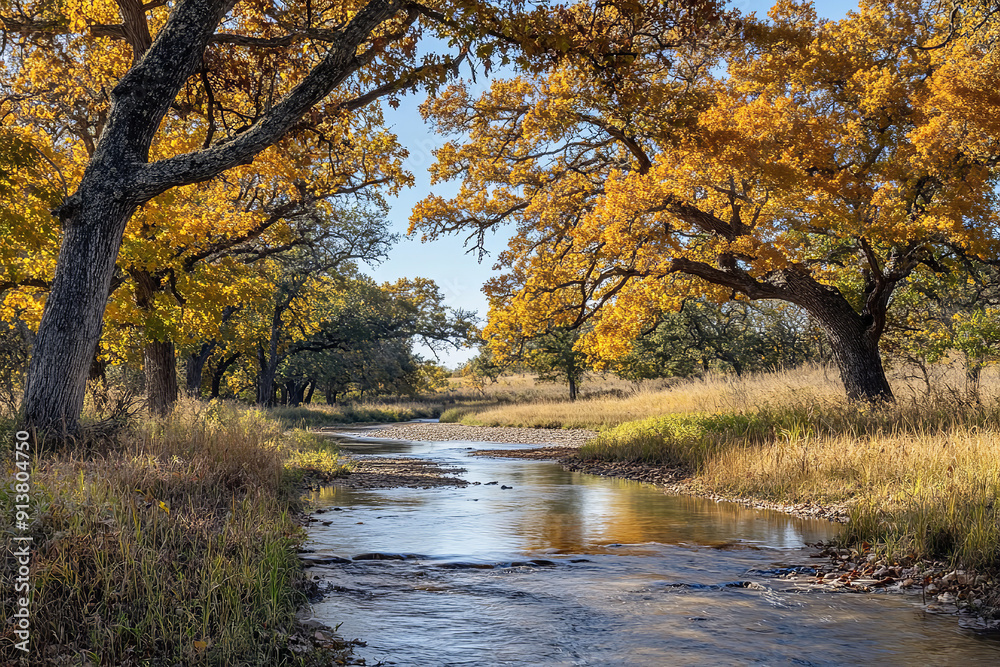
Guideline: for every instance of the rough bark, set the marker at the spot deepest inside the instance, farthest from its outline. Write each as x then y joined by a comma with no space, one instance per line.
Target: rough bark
309,393
860,365
160,364
195,368
854,340
159,356
853,336
72,319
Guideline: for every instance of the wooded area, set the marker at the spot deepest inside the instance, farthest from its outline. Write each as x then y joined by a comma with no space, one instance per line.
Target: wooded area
199,180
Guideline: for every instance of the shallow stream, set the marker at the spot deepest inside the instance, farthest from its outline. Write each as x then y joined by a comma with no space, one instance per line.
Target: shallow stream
572,569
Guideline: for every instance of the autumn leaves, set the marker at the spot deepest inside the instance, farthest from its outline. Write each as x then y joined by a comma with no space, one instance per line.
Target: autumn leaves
793,159
647,152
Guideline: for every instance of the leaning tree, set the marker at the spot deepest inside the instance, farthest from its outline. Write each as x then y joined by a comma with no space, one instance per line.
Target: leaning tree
183,62
795,159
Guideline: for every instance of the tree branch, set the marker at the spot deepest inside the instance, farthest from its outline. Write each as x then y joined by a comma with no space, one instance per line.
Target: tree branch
340,62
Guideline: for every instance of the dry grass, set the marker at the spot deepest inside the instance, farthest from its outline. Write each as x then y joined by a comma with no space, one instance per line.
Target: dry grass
617,401
174,544
318,415
525,387
921,487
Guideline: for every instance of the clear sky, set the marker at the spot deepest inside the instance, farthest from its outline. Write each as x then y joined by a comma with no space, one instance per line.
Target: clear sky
457,272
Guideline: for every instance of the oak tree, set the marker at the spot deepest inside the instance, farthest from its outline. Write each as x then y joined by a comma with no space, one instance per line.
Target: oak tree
793,159
193,89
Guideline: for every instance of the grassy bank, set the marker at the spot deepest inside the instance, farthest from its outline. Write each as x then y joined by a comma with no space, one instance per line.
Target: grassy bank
317,415
921,477
174,542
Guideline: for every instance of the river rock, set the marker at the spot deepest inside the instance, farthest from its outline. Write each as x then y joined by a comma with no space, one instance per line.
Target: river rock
320,559
466,566
379,556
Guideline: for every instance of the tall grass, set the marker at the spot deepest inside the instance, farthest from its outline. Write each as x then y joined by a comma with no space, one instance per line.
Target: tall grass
622,402
173,544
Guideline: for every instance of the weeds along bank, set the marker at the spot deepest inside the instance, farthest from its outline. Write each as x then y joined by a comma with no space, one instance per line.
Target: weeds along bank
174,542
921,477
317,415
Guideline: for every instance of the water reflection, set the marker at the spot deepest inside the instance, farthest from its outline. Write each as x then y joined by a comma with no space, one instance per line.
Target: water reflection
551,510
611,598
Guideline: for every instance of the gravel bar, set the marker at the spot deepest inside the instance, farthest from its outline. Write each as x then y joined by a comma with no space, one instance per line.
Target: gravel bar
459,432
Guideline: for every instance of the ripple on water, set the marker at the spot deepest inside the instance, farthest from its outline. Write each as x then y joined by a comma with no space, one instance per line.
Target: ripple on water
664,580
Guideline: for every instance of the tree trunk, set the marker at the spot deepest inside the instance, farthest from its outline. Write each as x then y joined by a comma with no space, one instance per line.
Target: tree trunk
309,394
267,366
118,178
857,356
95,216
97,380
160,365
853,337
294,391
220,371
74,310
195,368
861,370
159,356
572,386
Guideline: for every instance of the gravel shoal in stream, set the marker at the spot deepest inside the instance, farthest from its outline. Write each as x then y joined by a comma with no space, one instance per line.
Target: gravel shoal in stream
460,432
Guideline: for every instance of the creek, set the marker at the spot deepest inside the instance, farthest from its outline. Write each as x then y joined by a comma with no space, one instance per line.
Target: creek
572,569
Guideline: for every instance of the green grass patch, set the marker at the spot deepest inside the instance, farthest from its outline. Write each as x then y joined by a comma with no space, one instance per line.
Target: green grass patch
682,439
317,416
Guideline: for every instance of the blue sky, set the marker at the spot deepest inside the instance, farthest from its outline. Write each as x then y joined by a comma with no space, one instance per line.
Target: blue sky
457,272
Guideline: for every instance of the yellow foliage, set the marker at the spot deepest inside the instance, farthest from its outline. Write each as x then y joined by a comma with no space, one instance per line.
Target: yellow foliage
840,153
57,97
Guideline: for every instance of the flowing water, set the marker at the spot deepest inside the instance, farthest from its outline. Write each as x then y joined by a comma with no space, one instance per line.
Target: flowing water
572,569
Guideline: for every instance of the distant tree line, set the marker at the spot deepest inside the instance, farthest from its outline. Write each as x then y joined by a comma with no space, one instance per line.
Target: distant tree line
953,317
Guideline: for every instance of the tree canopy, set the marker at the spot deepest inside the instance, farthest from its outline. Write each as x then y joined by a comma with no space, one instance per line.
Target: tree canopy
809,161
139,99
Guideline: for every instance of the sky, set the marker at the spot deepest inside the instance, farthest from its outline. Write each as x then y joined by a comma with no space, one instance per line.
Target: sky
459,273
